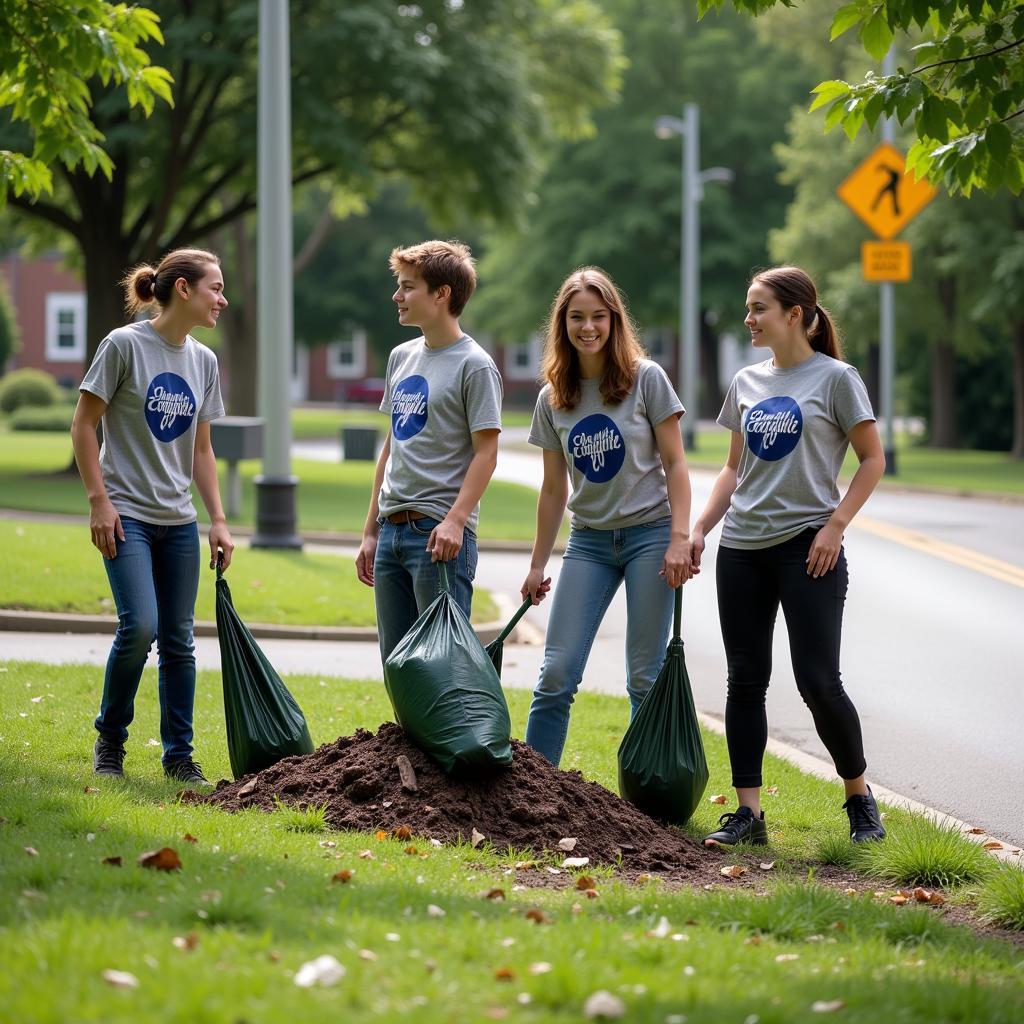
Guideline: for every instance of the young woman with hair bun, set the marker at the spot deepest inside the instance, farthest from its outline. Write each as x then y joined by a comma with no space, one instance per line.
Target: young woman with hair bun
155,389
792,418
607,420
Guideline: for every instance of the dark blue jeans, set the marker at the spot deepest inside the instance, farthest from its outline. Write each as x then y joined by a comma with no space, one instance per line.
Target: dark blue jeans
154,580
405,581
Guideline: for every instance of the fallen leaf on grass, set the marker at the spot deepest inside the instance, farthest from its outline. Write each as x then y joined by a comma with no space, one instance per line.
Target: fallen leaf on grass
189,838
412,851
923,895
433,910
733,871
591,894
827,1005
660,930
786,957
993,844
603,1006
504,974
526,865
495,894
367,954
557,871
767,865
975,831
90,789
567,844
327,844
585,882
850,892
31,851
753,940
366,855
772,790
164,859
540,967
120,979
575,862
344,875
324,970
436,843
899,899
476,838
112,862
185,942
403,832
380,835
537,915
718,798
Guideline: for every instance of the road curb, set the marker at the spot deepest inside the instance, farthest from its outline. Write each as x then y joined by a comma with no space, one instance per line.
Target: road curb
811,765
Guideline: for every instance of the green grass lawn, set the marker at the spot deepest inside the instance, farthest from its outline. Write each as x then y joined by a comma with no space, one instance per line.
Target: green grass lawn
50,567
332,496
255,900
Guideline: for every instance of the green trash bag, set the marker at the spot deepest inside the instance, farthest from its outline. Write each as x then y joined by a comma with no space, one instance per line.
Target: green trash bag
495,649
662,767
446,693
264,722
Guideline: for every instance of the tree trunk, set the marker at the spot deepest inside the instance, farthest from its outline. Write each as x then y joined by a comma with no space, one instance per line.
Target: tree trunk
1017,451
942,432
709,403
240,326
104,267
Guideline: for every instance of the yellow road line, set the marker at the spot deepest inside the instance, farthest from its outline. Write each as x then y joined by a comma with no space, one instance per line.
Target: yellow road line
965,557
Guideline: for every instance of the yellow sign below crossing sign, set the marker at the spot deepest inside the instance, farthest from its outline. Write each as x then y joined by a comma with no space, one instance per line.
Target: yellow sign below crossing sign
885,261
883,195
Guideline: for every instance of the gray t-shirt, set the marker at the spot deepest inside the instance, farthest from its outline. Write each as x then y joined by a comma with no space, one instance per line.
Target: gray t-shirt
438,398
794,424
156,394
618,479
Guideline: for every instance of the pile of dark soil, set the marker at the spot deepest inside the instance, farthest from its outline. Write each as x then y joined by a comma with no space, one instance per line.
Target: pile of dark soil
530,805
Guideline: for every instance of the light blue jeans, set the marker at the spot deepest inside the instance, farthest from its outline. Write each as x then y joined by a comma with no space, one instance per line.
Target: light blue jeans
405,581
154,580
594,564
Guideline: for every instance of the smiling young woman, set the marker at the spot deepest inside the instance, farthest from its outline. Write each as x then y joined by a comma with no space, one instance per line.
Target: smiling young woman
155,389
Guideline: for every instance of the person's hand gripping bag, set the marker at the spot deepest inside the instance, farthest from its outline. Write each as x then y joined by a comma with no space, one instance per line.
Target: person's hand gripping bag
662,767
445,691
264,722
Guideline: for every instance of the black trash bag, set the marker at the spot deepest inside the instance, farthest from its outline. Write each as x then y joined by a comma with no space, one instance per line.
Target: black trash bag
662,767
446,693
495,649
264,722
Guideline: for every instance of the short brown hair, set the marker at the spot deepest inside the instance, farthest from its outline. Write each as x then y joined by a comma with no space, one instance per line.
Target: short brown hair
560,364
143,285
439,263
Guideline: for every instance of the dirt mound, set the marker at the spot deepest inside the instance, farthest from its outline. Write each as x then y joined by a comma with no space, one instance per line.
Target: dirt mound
529,805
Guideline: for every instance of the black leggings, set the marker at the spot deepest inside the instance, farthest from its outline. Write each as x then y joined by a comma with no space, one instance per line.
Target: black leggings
751,585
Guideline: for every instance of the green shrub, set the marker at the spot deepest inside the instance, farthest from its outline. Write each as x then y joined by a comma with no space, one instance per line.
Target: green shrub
27,387
53,418
1002,899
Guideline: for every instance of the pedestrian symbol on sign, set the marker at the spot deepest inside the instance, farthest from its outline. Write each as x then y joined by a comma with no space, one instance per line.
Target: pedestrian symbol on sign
891,188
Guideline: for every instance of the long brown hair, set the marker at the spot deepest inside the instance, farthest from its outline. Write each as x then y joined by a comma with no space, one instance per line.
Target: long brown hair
794,287
143,285
560,363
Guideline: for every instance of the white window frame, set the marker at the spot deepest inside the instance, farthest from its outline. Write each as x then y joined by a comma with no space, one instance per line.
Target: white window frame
336,369
532,368
65,302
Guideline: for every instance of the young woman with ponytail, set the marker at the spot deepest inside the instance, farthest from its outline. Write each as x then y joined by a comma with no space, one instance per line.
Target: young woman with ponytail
156,389
792,419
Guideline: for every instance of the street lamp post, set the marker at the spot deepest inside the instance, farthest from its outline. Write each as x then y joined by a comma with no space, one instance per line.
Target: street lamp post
693,180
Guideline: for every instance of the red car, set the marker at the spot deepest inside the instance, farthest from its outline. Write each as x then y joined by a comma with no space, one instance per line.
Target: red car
370,390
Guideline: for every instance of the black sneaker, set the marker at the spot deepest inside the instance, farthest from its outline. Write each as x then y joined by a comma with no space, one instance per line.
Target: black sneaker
865,821
108,757
737,827
188,771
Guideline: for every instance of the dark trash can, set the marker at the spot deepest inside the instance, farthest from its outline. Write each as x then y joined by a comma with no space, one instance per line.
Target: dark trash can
359,444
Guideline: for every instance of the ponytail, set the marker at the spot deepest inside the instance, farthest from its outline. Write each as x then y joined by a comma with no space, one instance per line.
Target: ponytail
822,333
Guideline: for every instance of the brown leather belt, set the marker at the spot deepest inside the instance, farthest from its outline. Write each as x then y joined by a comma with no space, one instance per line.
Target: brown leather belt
407,515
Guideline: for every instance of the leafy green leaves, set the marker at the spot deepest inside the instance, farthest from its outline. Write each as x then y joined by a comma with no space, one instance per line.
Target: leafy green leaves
48,53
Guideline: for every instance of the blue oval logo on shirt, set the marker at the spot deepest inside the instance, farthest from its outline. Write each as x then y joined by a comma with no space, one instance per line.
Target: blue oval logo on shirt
597,448
773,428
170,406
409,407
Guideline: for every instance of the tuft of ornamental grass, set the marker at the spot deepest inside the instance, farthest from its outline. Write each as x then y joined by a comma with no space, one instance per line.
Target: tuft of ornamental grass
301,819
1001,900
921,852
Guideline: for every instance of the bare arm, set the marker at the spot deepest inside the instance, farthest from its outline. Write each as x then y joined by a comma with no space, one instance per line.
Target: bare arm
718,502
554,493
824,552
676,565
104,522
445,539
204,473
371,528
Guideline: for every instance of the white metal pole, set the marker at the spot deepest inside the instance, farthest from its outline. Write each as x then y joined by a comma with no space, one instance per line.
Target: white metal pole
275,489
887,322
689,314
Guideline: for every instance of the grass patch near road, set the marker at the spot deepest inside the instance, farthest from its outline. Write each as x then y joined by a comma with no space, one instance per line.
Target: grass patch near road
51,567
331,496
255,900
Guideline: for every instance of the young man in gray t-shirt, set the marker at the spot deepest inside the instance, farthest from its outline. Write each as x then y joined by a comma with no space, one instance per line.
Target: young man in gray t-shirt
444,395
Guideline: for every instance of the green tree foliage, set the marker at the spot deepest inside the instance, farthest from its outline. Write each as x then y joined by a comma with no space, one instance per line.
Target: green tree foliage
455,98
962,93
8,328
50,50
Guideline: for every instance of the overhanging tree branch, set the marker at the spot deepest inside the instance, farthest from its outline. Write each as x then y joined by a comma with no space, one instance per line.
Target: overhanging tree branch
45,211
967,60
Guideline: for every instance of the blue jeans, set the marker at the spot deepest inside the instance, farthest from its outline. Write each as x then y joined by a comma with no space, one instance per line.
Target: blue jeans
154,580
594,564
405,581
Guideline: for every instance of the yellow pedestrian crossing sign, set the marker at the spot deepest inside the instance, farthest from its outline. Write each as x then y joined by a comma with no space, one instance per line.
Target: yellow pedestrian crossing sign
883,195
